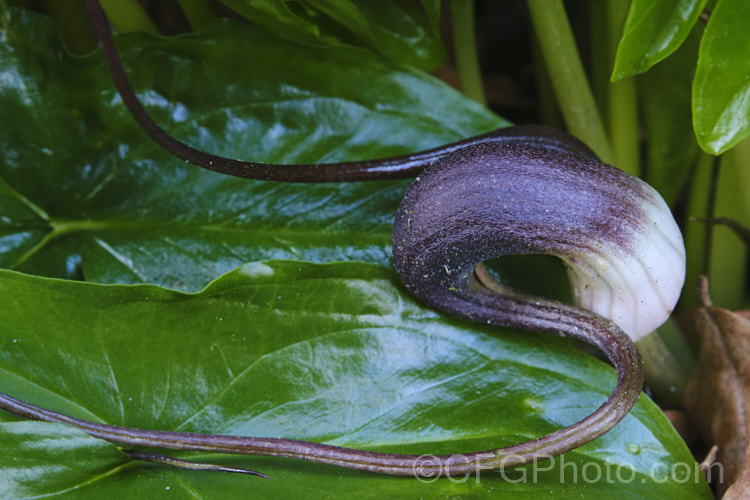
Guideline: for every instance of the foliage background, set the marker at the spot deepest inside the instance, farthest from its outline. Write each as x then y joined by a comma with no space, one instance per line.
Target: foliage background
84,196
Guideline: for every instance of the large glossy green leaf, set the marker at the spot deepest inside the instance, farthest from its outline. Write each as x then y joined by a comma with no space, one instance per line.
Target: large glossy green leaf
721,88
52,459
333,353
396,29
652,31
85,194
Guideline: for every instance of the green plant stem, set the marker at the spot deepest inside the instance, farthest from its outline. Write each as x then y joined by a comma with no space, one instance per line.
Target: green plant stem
666,375
197,12
623,126
623,105
728,262
696,234
549,111
465,46
75,28
741,156
568,78
128,15
601,61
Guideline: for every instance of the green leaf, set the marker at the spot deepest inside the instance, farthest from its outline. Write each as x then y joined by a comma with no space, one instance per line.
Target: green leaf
333,353
394,28
84,194
336,353
39,458
652,31
721,88
401,31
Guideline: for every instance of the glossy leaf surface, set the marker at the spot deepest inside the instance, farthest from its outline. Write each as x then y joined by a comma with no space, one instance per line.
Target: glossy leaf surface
721,88
43,458
333,353
653,30
84,194
336,353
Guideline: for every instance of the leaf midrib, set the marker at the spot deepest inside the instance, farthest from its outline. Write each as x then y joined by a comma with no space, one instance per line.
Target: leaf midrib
59,228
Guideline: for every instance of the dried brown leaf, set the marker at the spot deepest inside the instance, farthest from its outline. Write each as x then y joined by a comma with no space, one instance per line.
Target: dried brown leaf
739,490
718,395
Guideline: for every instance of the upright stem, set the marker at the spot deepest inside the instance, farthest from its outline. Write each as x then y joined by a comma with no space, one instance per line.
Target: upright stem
128,15
664,373
697,235
549,111
465,46
197,12
623,126
728,259
599,55
568,78
623,107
